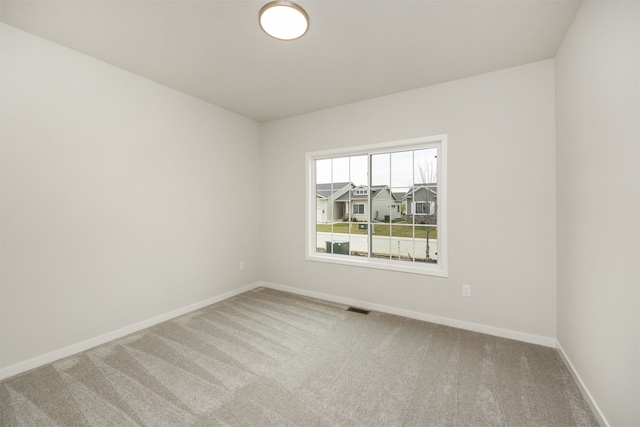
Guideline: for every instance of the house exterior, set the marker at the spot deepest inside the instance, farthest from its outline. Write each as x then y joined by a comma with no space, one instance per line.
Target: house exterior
340,201
422,204
328,209
384,205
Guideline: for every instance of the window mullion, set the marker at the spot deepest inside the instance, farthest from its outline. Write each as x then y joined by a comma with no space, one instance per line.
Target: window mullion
389,212
413,204
369,223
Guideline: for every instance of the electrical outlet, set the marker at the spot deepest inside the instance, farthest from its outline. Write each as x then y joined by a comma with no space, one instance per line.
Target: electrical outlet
466,290
241,265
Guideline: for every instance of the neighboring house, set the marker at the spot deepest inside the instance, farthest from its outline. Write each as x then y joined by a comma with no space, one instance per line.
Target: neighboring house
342,200
327,208
385,206
422,204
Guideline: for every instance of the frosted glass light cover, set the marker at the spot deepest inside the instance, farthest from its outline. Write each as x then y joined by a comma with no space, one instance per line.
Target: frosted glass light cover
284,20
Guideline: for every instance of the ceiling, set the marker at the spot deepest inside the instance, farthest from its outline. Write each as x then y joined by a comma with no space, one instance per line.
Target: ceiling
354,50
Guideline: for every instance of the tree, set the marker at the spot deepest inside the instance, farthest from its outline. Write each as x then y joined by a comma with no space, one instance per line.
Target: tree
428,175
427,172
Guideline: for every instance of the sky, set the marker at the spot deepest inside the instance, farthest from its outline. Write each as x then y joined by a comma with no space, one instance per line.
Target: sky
399,170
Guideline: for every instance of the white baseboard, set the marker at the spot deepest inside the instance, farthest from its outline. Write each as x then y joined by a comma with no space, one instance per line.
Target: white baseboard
102,339
38,361
475,327
583,388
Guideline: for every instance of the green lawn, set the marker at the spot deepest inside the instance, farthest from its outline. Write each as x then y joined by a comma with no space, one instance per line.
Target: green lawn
397,230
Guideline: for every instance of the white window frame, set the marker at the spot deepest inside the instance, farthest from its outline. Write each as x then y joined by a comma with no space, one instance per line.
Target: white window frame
439,269
363,209
415,208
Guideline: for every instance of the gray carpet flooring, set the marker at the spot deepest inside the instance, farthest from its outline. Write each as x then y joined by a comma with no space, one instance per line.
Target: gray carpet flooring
273,358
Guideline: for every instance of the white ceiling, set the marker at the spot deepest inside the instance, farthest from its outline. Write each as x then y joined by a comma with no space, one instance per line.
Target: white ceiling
354,50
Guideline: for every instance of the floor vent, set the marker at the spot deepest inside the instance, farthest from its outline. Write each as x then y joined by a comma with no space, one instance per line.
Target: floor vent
358,310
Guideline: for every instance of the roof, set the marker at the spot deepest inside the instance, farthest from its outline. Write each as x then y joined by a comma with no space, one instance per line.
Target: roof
431,187
375,190
327,190
399,195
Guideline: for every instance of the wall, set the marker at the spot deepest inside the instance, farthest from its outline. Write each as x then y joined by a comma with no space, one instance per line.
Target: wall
122,200
501,200
598,137
108,217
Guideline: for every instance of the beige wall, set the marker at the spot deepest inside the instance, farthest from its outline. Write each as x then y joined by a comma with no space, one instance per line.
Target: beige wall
110,214
598,139
501,150
117,198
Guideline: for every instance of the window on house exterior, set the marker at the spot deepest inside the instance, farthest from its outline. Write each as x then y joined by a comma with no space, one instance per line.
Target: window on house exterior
400,188
358,209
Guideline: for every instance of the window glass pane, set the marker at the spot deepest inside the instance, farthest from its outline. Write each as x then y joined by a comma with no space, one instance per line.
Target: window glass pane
359,167
402,169
359,240
340,170
346,239
325,209
381,204
380,169
433,243
338,214
323,171
426,249
425,166
359,200
398,197
402,243
323,233
380,241
338,241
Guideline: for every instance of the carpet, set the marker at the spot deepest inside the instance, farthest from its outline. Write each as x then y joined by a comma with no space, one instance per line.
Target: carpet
270,358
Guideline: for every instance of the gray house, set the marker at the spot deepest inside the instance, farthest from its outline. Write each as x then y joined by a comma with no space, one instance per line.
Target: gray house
343,200
422,204
384,205
328,209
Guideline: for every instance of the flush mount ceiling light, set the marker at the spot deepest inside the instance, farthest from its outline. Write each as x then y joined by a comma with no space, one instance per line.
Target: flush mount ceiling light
283,20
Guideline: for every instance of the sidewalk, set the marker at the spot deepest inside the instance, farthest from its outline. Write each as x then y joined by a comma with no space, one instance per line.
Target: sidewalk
396,246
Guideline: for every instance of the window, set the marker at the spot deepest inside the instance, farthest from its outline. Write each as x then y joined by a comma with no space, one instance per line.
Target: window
396,193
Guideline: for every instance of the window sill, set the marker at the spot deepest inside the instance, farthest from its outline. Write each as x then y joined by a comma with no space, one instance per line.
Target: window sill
426,269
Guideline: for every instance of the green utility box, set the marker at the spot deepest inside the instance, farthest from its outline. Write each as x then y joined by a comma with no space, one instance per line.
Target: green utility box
362,226
338,248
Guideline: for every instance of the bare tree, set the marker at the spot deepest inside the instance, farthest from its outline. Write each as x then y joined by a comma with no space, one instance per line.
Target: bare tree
428,173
